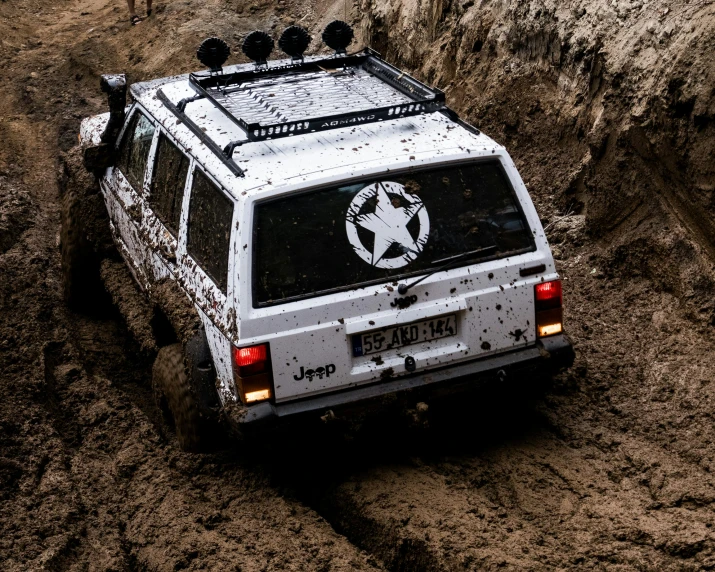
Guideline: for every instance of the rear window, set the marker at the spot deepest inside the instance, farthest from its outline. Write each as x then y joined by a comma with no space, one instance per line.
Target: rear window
386,228
209,232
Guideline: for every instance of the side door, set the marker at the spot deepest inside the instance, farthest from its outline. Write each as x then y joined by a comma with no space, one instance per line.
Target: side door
165,199
124,188
204,255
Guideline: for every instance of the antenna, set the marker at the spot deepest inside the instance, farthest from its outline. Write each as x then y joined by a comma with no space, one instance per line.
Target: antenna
258,46
213,53
338,35
294,41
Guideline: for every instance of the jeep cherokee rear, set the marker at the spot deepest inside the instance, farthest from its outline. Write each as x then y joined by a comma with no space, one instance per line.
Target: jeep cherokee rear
340,232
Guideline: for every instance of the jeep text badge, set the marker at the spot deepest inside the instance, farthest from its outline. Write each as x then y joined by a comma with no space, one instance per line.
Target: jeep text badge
385,209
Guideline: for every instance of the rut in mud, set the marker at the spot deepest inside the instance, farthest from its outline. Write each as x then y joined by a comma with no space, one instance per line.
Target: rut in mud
607,109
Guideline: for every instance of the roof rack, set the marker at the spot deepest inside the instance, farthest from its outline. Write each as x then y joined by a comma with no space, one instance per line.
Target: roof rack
307,96
218,89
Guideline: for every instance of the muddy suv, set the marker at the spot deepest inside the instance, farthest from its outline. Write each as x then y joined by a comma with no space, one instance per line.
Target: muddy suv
332,229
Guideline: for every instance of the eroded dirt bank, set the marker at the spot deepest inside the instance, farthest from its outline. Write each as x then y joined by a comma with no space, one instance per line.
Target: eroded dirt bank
607,109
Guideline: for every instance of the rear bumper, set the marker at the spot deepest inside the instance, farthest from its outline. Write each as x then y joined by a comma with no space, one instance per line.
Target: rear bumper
548,356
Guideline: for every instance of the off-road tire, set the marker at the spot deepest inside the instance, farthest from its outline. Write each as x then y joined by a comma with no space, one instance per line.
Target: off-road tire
79,272
173,396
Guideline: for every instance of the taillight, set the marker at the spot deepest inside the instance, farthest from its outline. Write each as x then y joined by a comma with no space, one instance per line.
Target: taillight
549,313
252,373
251,358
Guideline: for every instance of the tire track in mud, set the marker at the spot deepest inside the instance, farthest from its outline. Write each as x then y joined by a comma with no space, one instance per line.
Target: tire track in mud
517,506
505,487
383,492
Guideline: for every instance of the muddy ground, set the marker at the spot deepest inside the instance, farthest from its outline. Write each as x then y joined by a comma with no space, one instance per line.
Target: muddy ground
607,107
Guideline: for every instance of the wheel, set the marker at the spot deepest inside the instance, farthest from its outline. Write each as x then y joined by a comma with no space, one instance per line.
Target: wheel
173,396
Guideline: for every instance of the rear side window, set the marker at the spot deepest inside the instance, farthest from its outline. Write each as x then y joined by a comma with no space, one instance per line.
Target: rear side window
134,150
169,180
209,232
383,229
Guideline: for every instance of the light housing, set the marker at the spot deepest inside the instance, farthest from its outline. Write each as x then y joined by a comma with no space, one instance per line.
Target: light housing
294,41
338,35
213,53
549,312
252,372
258,46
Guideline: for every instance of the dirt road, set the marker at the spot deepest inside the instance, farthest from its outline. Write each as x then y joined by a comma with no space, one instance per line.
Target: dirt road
608,109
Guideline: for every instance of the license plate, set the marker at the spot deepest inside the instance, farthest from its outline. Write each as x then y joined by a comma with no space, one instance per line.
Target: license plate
404,335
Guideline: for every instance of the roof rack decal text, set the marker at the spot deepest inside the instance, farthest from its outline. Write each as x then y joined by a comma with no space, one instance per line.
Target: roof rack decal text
360,119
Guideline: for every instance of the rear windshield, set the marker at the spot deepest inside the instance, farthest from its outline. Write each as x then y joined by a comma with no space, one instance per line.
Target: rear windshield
386,228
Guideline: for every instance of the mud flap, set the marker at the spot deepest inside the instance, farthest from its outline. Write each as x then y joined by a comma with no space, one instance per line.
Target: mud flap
202,372
558,350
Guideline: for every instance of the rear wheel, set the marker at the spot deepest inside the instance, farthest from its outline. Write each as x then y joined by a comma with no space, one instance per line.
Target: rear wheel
173,396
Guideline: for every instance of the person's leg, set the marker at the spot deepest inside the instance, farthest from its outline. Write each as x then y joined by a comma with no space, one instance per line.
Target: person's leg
148,7
133,18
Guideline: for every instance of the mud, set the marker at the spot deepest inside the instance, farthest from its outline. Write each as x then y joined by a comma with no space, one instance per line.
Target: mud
607,109
135,309
14,214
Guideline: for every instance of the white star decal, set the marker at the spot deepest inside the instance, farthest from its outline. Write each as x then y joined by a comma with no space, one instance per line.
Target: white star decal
389,225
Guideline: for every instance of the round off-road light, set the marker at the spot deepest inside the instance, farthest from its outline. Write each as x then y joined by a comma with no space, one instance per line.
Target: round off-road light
213,53
294,41
258,46
338,35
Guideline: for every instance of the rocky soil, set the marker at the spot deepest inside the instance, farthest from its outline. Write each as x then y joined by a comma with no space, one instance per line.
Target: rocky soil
608,109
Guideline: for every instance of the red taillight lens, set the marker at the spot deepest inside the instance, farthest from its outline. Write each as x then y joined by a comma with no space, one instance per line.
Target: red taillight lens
253,355
252,373
548,295
549,314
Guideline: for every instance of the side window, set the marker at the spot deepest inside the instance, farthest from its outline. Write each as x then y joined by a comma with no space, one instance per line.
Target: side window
134,150
168,181
209,232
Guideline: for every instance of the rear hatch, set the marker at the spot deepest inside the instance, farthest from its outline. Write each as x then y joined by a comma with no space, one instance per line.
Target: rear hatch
327,264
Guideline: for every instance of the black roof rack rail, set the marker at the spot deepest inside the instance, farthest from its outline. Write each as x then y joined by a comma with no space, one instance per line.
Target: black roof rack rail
205,139
454,116
423,99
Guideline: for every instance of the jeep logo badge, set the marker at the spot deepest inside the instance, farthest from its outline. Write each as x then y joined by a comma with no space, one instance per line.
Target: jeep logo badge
403,303
318,372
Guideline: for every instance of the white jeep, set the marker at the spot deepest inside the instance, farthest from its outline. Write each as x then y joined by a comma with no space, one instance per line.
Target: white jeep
339,232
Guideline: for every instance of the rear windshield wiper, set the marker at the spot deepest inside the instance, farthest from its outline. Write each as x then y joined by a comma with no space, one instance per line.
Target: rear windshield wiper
450,261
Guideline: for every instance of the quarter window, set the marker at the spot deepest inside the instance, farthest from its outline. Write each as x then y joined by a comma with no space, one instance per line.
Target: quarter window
134,150
209,232
169,180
